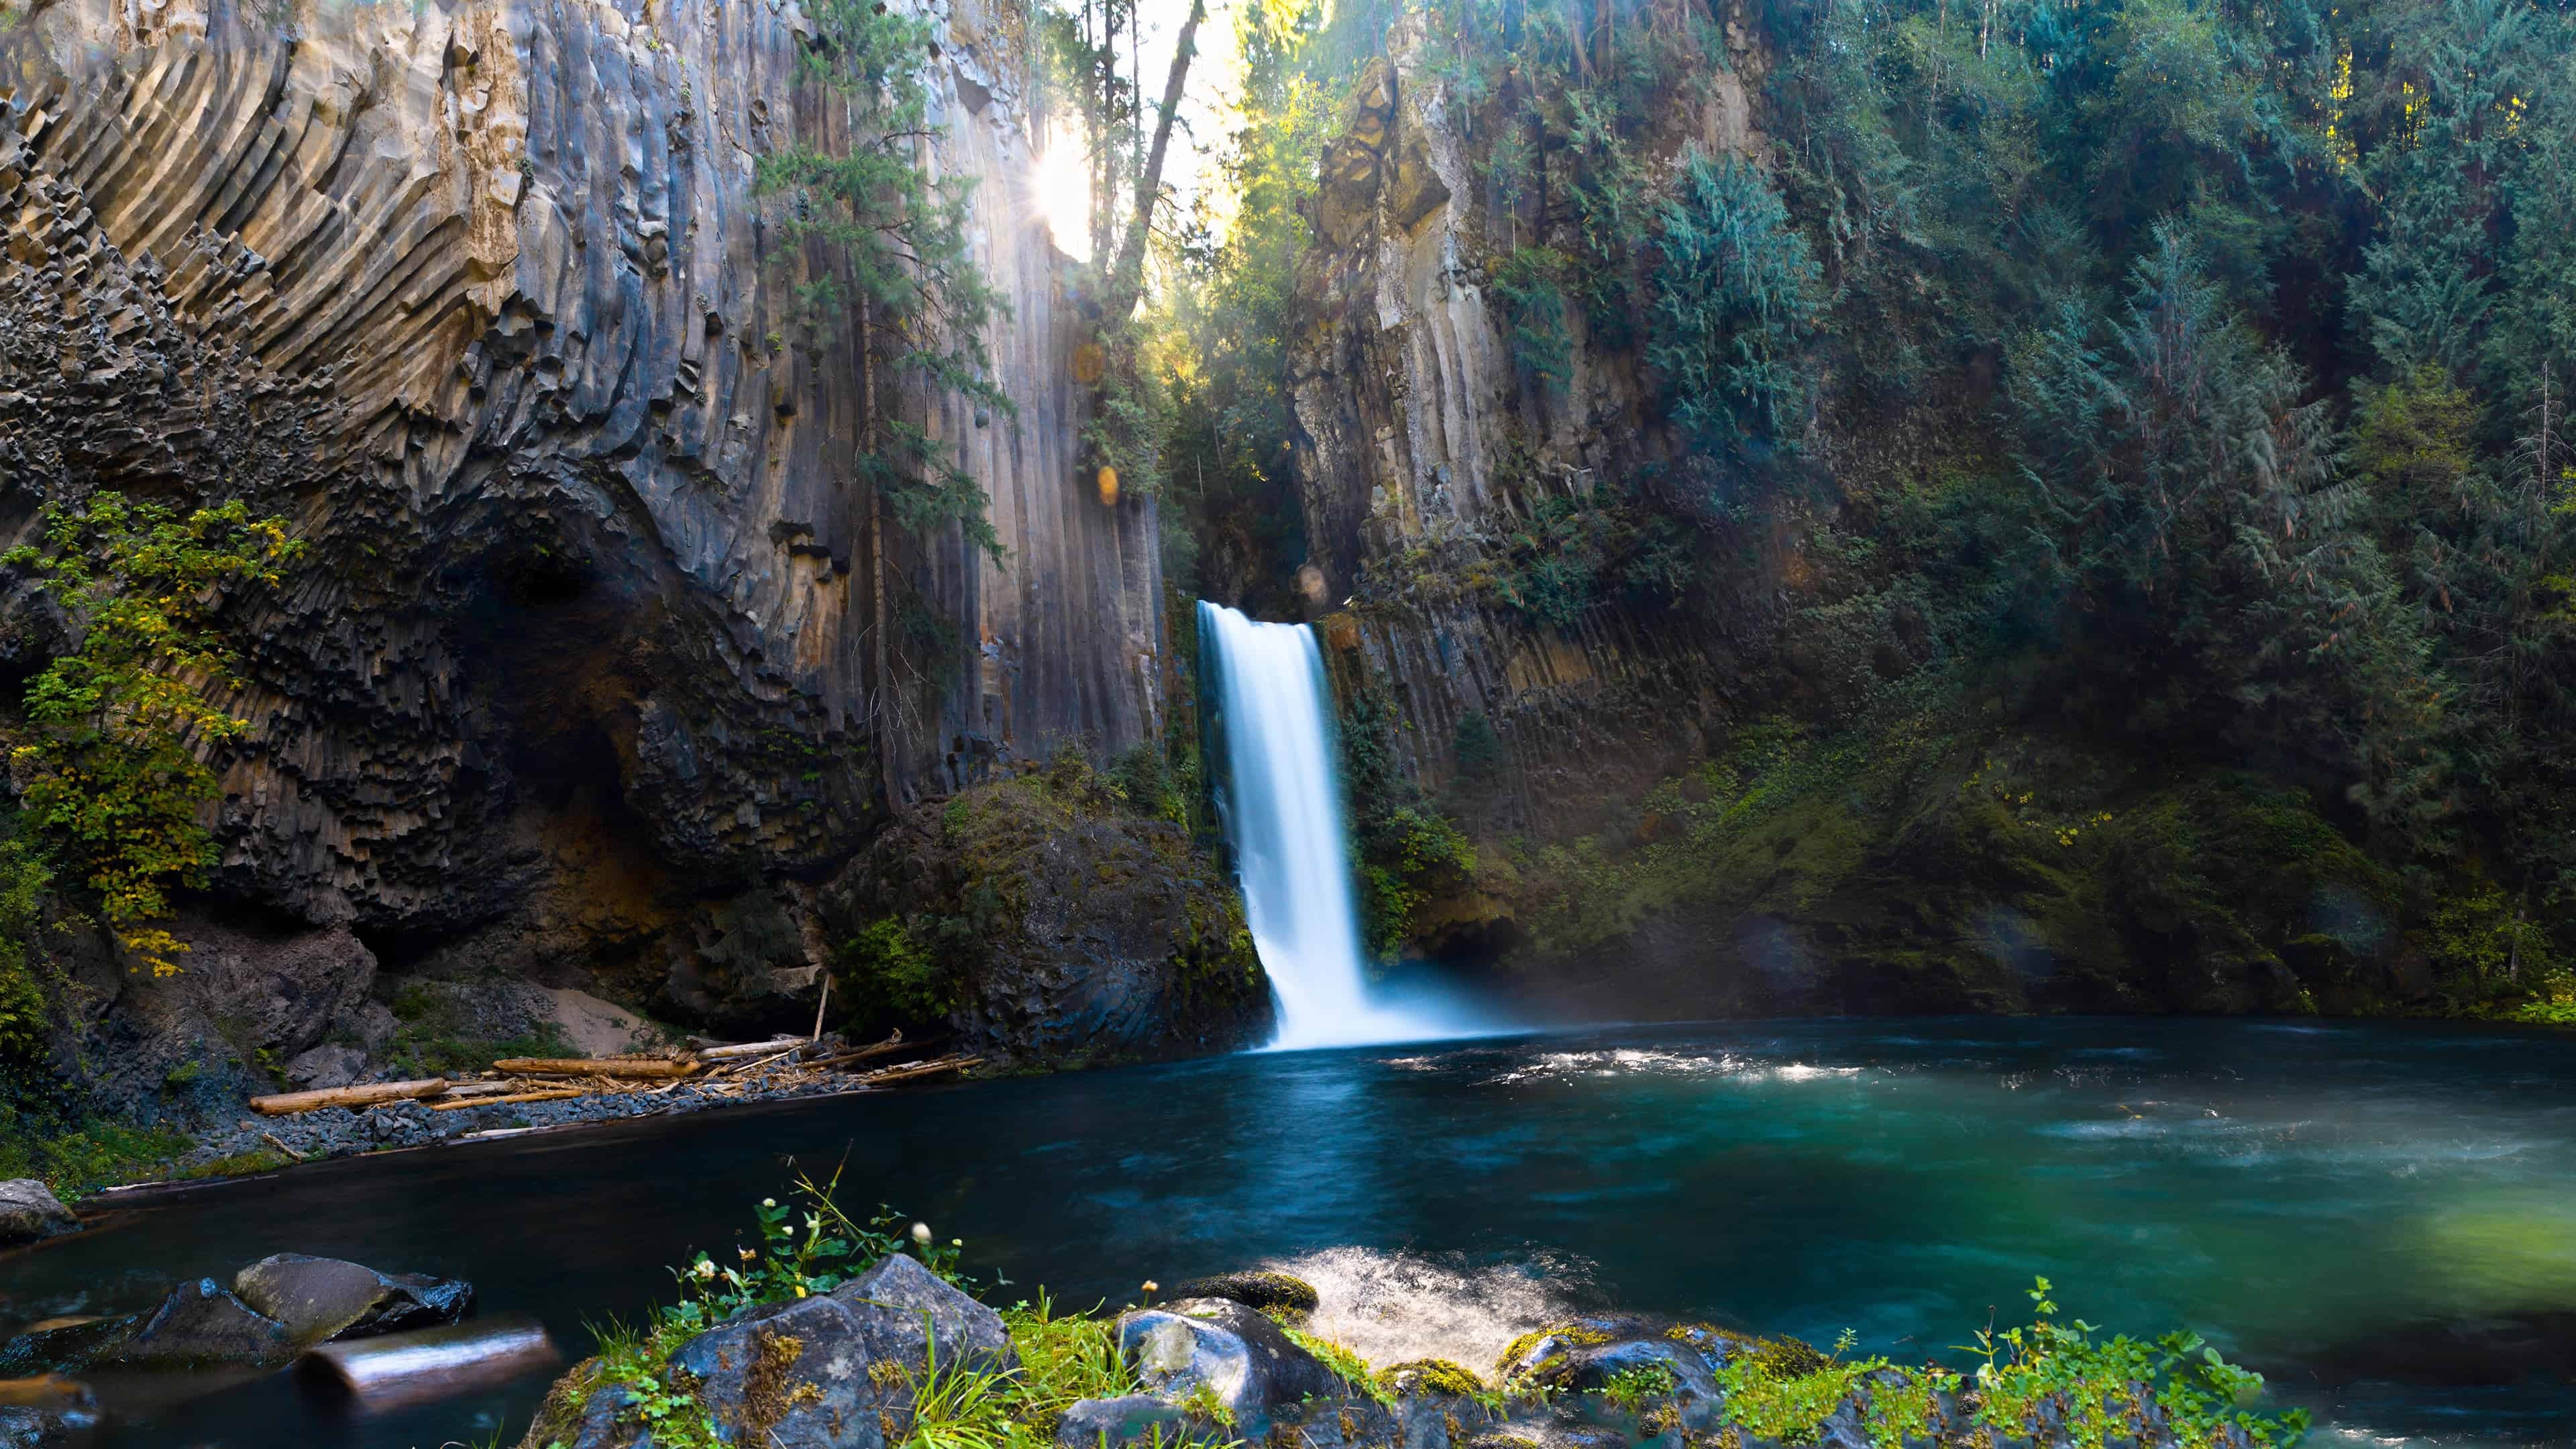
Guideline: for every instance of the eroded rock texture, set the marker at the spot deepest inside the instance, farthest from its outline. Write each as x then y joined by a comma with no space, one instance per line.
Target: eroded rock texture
575,682
1422,444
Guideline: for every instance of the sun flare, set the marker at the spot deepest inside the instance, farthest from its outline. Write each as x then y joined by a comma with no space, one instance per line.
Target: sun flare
1062,192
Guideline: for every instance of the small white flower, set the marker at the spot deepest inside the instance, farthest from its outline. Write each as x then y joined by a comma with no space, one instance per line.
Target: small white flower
921,1234
769,1202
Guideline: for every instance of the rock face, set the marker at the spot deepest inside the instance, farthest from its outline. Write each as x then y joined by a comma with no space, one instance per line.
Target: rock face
29,1211
1088,930
1421,444
574,682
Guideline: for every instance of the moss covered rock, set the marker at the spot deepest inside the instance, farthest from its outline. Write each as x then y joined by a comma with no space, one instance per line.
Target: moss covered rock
1047,919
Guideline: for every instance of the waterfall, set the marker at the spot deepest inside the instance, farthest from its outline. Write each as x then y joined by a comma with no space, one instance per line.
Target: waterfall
1282,811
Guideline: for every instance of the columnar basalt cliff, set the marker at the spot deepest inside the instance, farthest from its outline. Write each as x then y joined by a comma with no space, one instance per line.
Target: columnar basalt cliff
1422,442
574,682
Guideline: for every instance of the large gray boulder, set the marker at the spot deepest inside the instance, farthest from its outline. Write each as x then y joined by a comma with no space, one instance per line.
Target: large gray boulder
326,1298
29,1211
1216,1349
835,1371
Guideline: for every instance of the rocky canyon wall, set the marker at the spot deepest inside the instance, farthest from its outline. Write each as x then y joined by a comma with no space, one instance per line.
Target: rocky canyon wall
1423,443
573,684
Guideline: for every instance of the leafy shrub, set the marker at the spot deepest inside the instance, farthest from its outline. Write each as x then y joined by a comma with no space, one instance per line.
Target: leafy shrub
113,777
23,882
890,974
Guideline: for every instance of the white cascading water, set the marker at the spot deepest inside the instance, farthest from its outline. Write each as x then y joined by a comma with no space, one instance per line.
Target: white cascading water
1283,816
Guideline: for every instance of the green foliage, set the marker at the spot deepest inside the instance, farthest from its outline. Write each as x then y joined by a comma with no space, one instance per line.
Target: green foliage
1145,779
113,778
24,880
890,975
1345,1364
1475,746
1736,299
1530,280
1631,1389
75,1159
805,1247
2094,1388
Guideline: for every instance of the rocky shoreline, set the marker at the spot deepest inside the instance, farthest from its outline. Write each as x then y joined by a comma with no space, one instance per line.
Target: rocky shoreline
882,1361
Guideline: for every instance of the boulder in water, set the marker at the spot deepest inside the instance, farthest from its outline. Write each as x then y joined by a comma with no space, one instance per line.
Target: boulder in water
1253,1290
326,1298
29,1211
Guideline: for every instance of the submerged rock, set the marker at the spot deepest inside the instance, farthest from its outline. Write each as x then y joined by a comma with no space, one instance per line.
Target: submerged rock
43,1412
194,1325
326,1298
29,1212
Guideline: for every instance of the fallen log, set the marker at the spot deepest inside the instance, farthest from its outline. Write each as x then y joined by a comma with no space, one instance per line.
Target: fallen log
924,1069
412,1368
654,1067
884,1048
484,1089
550,1094
749,1049
287,1104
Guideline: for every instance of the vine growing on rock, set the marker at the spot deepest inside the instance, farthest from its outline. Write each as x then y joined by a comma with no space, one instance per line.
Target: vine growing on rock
114,779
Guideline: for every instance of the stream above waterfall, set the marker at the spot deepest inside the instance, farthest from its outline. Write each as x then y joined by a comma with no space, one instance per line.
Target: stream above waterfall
2381,1216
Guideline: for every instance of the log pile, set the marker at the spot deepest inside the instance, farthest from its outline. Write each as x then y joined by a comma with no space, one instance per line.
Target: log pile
737,1070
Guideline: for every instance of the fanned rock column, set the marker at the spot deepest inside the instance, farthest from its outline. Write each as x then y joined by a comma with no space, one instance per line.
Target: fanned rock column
483,296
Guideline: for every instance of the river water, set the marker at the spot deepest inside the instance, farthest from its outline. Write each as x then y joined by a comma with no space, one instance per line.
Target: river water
2382,1216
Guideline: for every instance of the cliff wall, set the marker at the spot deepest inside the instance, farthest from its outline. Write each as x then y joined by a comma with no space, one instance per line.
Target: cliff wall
574,683
1423,443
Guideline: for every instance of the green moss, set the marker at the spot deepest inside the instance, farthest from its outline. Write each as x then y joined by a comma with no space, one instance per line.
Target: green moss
1346,1365
1572,1335
1440,1376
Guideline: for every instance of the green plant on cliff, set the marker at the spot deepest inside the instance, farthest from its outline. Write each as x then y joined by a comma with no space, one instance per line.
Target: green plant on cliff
891,976
24,880
1737,298
114,779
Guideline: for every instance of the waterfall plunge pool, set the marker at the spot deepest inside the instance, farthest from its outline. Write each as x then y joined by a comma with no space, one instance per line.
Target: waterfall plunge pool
2381,1216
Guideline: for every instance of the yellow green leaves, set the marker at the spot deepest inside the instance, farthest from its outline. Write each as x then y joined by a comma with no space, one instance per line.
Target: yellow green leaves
115,777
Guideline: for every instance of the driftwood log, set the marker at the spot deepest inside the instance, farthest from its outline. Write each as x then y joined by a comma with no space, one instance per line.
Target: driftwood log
550,1094
287,1104
603,1067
